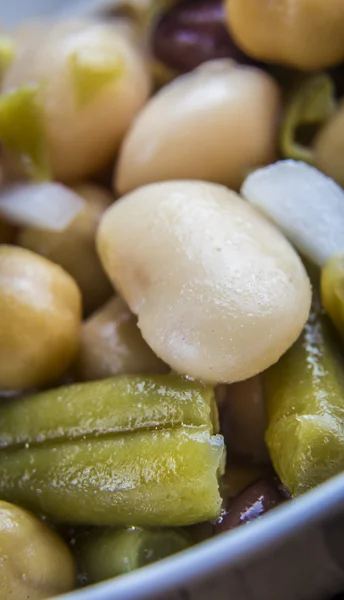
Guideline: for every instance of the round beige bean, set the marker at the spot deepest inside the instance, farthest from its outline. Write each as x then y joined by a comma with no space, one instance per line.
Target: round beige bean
219,292
40,314
74,248
35,563
112,344
216,123
75,95
307,35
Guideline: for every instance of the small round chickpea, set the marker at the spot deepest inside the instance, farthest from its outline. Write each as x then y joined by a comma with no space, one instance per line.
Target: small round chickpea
40,315
307,34
111,344
34,562
201,126
74,248
219,292
74,96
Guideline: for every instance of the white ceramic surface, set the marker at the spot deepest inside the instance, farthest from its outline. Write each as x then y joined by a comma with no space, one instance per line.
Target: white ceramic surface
293,553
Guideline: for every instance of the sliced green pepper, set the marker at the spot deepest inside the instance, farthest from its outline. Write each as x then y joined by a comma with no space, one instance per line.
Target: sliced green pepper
90,77
105,554
22,130
305,405
7,53
127,451
311,104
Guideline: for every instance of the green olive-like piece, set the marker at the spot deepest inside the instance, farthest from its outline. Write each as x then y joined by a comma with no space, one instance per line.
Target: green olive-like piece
105,554
74,248
40,308
332,290
34,562
112,344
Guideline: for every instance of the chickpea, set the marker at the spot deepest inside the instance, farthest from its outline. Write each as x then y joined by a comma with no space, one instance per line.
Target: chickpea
74,96
111,344
40,310
329,147
219,292
74,248
307,34
201,126
35,563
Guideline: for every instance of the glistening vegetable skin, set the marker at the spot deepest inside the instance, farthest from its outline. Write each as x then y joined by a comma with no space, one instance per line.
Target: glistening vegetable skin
305,401
128,451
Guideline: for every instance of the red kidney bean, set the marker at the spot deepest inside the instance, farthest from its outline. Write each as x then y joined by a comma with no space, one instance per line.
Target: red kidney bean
253,502
193,32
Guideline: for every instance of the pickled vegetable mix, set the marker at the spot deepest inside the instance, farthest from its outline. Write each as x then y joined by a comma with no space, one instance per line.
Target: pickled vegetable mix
171,279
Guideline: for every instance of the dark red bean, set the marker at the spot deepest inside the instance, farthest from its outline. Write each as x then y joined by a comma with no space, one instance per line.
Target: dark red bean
193,32
253,502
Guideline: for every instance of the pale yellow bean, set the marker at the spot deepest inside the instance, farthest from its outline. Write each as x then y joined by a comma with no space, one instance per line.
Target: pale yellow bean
35,563
304,34
216,124
112,344
40,315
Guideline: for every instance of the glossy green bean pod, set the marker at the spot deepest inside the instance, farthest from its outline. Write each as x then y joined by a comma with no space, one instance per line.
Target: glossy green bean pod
127,451
105,554
305,405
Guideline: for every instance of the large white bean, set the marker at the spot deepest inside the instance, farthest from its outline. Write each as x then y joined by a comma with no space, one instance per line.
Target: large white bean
219,292
216,123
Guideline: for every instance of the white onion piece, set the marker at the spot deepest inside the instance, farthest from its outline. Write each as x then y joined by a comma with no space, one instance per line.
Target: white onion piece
49,206
305,204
